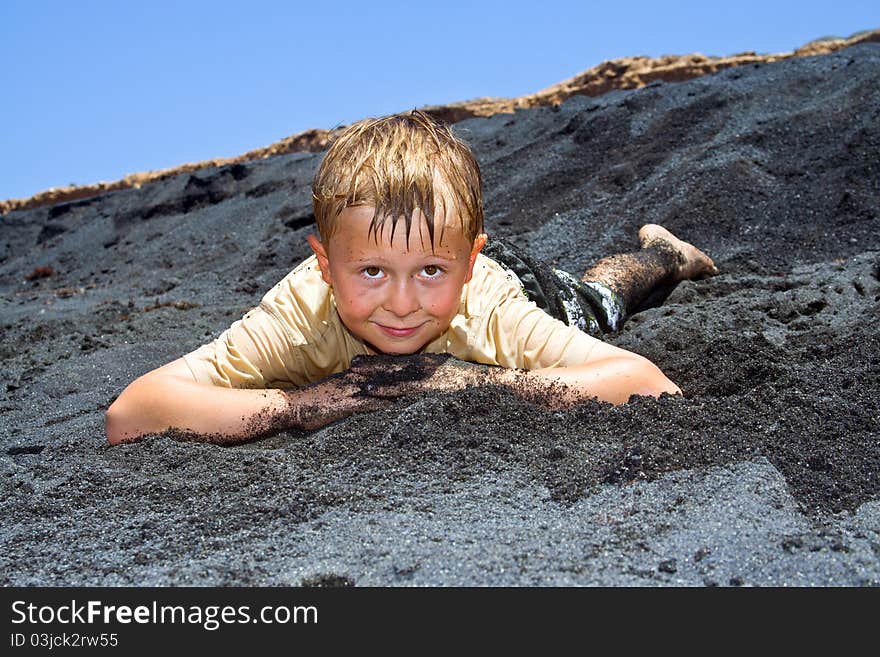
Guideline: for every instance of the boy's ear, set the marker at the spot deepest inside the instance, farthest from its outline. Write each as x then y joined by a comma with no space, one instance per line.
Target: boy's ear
323,260
479,243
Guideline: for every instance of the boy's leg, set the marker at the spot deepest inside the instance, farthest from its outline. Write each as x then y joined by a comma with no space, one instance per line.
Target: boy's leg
629,278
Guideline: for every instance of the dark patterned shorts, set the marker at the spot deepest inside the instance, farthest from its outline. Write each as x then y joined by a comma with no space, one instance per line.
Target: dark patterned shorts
590,306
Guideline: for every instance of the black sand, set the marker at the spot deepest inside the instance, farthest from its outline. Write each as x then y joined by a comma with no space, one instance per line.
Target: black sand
766,473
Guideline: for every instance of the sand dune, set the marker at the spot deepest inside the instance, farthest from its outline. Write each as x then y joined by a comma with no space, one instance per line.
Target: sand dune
766,473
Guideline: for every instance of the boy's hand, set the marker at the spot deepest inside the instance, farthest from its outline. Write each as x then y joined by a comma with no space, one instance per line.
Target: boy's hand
331,399
395,376
373,383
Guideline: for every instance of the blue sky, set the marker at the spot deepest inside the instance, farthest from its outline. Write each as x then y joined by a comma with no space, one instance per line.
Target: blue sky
95,90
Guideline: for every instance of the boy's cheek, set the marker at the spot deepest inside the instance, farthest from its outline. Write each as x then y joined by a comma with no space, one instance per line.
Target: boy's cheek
353,307
444,309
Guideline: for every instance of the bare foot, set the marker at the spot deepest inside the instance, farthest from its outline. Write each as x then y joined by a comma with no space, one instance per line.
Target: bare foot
693,263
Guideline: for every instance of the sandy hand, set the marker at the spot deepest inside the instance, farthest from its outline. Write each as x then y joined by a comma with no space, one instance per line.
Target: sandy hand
395,376
331,399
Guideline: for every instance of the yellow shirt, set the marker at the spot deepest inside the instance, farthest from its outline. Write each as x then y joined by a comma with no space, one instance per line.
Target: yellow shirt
295,337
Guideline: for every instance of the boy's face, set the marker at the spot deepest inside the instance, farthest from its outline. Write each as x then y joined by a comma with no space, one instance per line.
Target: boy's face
395,299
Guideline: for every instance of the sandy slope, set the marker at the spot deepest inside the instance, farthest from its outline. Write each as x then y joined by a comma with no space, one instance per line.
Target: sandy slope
768,472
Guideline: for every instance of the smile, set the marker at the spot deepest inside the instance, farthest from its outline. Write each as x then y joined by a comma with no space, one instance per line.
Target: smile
399,332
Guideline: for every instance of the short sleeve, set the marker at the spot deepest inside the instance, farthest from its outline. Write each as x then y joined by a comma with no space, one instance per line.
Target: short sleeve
518,334
254,352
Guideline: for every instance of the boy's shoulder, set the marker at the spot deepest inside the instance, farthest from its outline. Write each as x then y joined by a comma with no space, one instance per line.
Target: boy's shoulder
492,283
304,278
302,298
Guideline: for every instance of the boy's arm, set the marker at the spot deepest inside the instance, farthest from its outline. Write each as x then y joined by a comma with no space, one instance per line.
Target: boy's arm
613,376
610,374
170,398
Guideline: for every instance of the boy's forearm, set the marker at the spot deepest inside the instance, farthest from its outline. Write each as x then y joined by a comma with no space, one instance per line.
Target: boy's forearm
613,377
218,415
196,411
612,380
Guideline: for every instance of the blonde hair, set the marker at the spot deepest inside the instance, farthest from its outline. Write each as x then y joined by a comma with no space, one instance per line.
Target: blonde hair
394,163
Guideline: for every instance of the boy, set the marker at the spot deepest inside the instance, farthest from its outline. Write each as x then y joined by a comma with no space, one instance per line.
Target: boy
404,294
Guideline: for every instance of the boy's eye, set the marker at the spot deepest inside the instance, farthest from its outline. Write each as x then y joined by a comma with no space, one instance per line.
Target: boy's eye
432,271
372,272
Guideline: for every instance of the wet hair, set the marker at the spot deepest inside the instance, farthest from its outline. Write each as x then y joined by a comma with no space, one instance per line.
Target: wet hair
398,164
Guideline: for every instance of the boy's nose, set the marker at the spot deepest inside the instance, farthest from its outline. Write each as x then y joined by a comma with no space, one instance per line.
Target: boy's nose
402,299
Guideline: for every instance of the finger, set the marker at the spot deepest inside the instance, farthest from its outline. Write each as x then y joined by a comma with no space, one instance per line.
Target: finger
389,390
398,362
362,403
377,404
359,361
368,364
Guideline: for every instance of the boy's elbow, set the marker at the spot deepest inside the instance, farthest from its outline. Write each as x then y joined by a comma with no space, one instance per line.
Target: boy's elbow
144,406
654,382
658,388
117,422
635,375
125,420
111,428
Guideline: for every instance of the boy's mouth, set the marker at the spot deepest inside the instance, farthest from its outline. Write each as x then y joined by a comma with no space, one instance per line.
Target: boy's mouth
399,332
